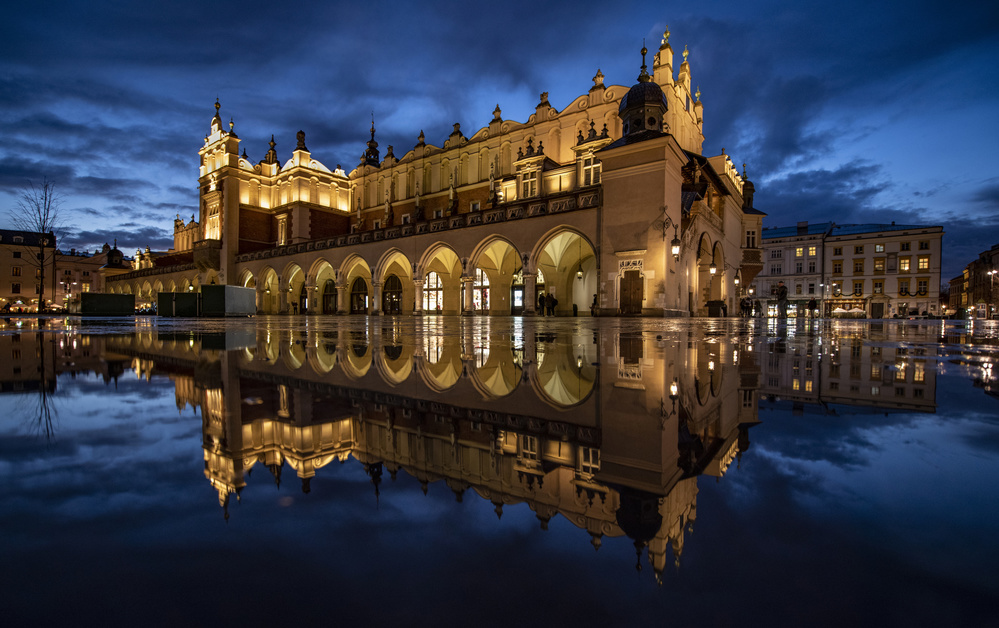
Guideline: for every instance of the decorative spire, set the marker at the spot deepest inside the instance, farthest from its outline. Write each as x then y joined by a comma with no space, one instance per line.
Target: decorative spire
370,156
686,53
271,156
665,41
497,113
697,94
598,80
644,77
300,136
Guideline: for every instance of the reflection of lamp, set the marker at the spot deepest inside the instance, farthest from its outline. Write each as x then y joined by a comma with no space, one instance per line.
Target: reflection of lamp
674,395
579,361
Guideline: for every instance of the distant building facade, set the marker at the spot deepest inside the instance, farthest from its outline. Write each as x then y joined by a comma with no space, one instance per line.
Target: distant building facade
976,289
23,257
871,270
608,206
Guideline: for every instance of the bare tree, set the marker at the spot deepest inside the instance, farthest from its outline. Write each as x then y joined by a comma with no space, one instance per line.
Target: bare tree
37,212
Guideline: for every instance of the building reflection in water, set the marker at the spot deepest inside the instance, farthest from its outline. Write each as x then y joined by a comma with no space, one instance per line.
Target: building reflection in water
609,429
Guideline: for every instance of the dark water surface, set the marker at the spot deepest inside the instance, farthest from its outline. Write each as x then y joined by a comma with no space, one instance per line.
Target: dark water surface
498,471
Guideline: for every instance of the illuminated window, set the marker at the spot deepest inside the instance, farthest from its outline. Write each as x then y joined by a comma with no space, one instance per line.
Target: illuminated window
879,248
529,185
591,171
879,265
798,252
808,386
15,271
875,372
795,385
811,251
480,291
919,372
213,225
924,263
433,292
875,391
903,265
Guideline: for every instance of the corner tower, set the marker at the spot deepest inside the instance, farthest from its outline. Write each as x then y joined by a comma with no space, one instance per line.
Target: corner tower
218,200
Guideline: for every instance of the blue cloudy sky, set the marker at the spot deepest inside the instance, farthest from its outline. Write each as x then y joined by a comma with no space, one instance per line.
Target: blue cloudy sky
852,111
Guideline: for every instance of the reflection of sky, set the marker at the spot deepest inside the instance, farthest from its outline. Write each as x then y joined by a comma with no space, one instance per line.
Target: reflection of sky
827,520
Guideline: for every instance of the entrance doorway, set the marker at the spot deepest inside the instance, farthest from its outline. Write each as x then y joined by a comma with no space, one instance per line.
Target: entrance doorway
359,297
632,292
392,295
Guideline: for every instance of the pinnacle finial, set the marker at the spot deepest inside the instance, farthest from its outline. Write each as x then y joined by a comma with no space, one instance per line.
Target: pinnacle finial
697,94
665,41
643,77
217,105
686,53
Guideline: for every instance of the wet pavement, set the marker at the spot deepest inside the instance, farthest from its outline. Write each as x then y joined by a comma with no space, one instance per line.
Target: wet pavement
498,471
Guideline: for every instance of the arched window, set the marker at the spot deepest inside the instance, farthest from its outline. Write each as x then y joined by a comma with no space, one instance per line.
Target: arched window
329,297
433,293
392,295
359,296
480,291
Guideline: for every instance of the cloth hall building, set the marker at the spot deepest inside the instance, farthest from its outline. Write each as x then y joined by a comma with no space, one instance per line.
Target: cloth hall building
607,205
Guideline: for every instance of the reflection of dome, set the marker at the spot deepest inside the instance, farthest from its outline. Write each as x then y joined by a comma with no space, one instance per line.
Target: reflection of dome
638,515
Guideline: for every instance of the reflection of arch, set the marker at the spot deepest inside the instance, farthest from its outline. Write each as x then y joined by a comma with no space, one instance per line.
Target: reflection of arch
325,352
395,363
563,379
357,356
498,376
441,366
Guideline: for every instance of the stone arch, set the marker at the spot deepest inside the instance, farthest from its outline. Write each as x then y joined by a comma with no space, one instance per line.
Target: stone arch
322,285
442,260
500,260
395,297
268,288
294,295
352,269
568,260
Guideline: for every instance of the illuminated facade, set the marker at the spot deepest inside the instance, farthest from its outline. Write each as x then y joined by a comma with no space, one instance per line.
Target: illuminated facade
608,199
870,270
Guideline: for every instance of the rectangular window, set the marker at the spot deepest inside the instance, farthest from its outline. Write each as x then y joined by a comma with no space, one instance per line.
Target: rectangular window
591,171
858,267
905,246
858,287
903,265
838,267
878,287
405,219
15,288
751,239
811,266
86,273
776,269
879,265
475,206
529,447
903,286
811,288
85,286
837,250
530,184
858,250
776,253
811,251
15,271
922,285
589,460
924,245
376,224
797,288
799,251
924,263
17,255
879,248
798,267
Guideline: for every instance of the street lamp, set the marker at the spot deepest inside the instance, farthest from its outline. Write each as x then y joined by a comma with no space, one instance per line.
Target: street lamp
992,281
662,225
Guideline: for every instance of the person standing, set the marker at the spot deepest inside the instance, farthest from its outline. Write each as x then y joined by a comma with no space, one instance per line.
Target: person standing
781,300
812,306
593,306
551,302
541,304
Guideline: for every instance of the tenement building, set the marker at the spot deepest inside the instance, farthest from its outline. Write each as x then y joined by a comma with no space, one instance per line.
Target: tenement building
868,270
608,206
